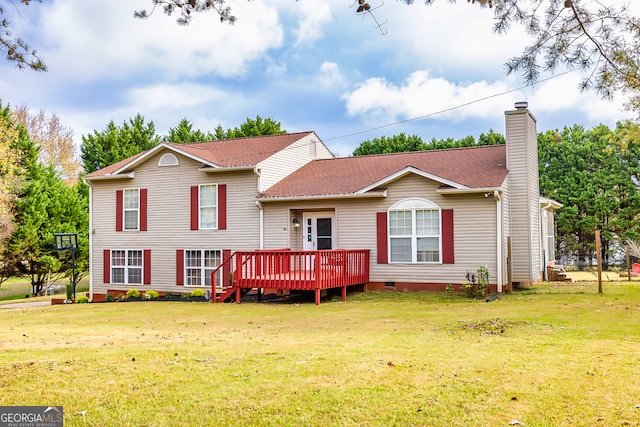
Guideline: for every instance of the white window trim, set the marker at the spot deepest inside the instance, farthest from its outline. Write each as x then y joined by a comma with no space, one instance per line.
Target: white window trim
200,227
125,210
202,267
126,267
413,205
168,159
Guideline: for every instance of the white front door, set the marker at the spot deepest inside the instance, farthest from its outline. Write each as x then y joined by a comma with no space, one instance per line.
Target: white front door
318,231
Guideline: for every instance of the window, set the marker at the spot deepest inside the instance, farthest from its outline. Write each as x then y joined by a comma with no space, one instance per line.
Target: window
198,266
168,159
131,209
126,267
207,199
414,232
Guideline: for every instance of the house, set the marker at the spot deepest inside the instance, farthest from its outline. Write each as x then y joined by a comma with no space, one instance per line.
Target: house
169,217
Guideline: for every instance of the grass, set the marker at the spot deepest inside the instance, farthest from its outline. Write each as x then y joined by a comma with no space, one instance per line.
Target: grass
557,354
14,290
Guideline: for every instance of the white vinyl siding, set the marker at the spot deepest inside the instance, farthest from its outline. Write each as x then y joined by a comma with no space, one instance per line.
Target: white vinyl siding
169,201
208,200
474,229
131,208
286,161
198,266
126,267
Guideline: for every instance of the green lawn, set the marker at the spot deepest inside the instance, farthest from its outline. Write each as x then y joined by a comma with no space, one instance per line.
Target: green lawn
554,355
16,289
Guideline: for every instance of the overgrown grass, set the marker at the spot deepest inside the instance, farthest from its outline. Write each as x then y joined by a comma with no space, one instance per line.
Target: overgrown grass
552,355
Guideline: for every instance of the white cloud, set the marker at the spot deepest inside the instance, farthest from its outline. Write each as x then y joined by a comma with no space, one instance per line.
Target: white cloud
422,95
103,40
331,76
313,15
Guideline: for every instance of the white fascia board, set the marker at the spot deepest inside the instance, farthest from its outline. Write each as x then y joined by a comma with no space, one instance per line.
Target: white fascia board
492,190
324,197
408,170
129,175
549,204
157,148
227,169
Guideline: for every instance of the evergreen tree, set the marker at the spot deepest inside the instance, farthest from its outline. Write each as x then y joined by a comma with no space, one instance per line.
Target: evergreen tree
116,143
184,133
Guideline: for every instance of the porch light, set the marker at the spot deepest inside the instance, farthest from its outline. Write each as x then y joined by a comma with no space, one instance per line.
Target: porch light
295,221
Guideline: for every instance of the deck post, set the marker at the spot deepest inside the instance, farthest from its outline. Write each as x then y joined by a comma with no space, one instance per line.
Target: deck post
238,295
214,296
344,293
317,296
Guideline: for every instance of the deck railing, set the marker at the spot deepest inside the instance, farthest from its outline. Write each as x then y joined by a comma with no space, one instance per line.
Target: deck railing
298,270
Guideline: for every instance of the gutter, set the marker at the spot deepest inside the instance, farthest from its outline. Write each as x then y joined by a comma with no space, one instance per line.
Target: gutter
368,195
130,175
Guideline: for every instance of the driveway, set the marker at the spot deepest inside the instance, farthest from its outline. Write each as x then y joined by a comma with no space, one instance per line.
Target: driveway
25,304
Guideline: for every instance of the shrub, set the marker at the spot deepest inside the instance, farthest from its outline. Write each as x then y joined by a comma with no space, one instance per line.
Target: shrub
186,296
110,298
69,291
151,294
133,293
197,293
477,283
82,299
121,297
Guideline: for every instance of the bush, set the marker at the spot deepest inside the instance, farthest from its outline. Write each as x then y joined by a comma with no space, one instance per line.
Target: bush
197,293
110,298
186,296
121,297
133,293
477,283
69,291
82,299
151,294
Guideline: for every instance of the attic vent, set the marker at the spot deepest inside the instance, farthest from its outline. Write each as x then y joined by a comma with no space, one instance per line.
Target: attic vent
522,105
168,159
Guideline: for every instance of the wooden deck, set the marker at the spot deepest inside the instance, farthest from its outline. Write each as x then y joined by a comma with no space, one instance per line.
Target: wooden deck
292,270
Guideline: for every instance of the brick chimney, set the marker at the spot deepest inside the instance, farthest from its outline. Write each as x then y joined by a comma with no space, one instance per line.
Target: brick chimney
524,195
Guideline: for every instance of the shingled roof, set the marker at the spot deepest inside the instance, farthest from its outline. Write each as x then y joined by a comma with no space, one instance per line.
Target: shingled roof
475,167
237,152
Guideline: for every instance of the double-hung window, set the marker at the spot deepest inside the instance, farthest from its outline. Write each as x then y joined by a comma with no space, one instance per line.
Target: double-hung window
208,196
131,208
415,232
126,267
198,266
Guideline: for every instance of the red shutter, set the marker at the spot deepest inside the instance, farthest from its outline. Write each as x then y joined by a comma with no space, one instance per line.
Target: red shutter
143,209
106,268
180,267
382,238
222,206
447,236
146,259
119,210
194,207
226,269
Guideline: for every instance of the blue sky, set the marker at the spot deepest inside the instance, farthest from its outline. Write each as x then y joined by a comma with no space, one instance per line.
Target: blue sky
310,65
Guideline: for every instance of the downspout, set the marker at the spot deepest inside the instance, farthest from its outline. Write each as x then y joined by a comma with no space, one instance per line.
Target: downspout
259,206
91,241
543,242
499,233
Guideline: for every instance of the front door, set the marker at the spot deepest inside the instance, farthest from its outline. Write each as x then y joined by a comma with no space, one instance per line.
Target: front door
319,231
